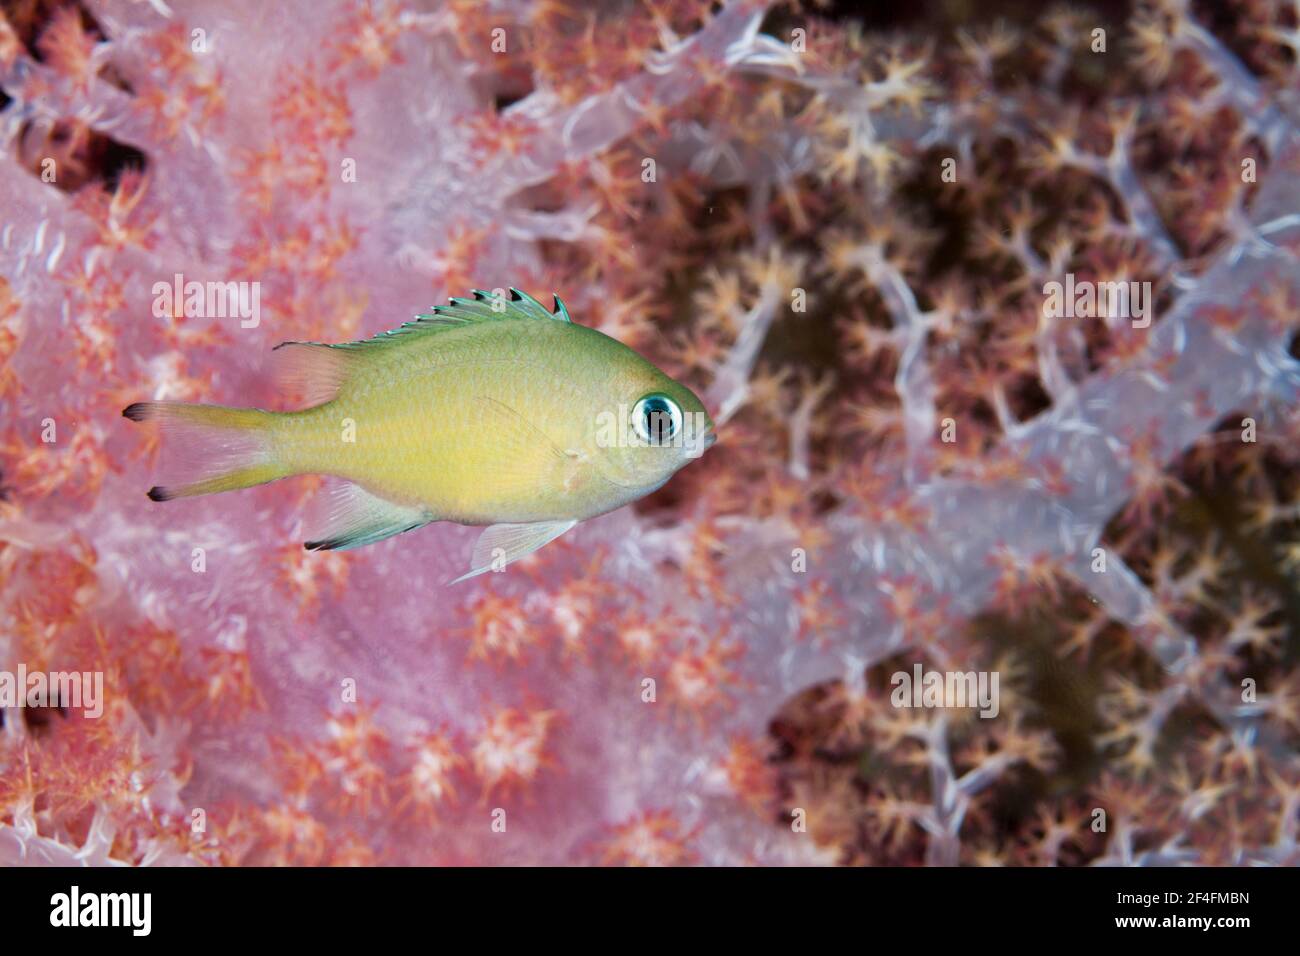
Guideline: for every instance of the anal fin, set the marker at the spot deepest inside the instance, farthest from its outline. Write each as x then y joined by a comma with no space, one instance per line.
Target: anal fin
499,544
357,517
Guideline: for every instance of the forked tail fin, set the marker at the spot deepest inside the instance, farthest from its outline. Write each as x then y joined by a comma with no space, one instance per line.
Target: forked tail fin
213,448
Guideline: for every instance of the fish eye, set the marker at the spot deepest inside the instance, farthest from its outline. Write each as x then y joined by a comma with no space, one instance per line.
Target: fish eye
657,419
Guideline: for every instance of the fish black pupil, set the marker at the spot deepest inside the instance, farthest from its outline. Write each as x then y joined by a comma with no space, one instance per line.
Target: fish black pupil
658,421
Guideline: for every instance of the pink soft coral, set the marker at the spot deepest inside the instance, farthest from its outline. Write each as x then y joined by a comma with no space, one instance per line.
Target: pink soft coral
908,440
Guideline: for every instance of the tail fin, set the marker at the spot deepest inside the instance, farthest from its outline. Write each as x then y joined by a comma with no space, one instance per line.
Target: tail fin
214,448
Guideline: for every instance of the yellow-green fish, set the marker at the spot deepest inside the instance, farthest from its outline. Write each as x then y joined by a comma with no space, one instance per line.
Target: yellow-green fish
488,411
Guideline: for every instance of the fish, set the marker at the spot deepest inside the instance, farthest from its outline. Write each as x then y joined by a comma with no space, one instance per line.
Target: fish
490,411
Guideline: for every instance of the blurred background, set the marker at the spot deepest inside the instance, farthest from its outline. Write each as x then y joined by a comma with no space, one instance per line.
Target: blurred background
847,227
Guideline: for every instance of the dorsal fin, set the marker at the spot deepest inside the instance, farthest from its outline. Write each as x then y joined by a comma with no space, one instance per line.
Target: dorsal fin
316,370
485,306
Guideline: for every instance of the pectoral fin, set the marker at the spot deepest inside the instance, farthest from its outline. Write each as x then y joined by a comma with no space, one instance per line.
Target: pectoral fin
501,544
517,435
525,460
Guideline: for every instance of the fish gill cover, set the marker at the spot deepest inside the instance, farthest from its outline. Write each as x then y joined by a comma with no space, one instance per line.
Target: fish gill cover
996,320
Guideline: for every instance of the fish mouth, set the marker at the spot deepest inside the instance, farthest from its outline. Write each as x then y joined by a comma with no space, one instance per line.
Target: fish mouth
702,443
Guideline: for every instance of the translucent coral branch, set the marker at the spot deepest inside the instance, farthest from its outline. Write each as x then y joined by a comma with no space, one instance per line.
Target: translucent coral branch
801,426
568,134
730,387
913,382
